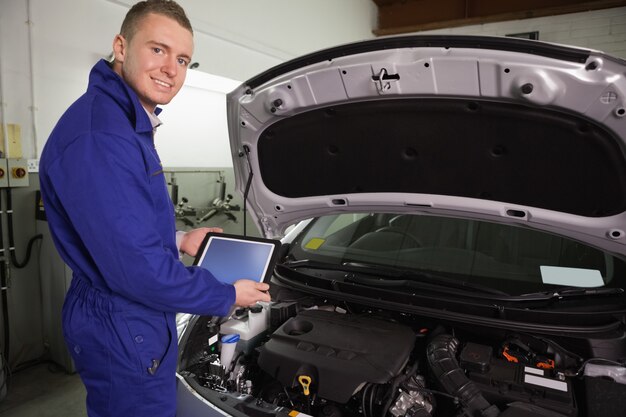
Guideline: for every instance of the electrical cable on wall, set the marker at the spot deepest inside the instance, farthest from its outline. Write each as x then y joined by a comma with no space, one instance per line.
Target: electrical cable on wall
31,242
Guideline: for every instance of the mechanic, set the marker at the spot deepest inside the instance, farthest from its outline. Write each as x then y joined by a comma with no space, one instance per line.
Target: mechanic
112,221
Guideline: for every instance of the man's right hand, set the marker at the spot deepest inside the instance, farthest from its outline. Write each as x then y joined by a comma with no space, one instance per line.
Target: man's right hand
249,292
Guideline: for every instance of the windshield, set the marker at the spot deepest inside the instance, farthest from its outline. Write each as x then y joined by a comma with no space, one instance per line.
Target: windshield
509,258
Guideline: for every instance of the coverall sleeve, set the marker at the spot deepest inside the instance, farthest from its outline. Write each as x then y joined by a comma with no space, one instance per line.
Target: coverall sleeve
106,187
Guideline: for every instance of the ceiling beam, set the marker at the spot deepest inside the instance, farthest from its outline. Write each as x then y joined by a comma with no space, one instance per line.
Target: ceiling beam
403,16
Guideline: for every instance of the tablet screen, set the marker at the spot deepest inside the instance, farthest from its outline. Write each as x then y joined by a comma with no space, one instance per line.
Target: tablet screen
230,258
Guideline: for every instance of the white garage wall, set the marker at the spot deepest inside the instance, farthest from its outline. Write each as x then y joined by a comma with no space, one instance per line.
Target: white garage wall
277,29
194,132
604,30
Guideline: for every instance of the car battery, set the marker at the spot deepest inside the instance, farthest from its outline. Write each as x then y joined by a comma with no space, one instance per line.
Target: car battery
503,382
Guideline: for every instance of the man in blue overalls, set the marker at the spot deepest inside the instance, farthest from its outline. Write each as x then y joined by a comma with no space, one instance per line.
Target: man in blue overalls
113,223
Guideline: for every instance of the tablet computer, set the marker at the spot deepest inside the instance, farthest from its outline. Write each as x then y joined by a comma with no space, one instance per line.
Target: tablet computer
231,257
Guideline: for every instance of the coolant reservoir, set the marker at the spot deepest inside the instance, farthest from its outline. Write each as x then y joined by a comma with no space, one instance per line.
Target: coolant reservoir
248,327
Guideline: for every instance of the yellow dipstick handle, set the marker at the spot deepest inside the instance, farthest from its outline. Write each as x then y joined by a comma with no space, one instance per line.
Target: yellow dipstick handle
305,381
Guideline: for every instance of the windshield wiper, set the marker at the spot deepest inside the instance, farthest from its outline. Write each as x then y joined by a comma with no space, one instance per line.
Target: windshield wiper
397,277
569,292
427,278
400,277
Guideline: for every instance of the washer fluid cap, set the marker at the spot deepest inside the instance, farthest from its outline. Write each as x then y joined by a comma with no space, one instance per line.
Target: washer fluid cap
230,338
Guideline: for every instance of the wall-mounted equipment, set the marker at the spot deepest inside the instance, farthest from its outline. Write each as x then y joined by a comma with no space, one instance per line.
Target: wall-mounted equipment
4,176
17,172
13,172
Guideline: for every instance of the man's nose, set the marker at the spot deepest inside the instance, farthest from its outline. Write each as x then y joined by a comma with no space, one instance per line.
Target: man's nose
170,67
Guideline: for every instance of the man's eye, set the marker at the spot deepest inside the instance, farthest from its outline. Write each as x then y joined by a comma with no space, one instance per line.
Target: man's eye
183,62
157,50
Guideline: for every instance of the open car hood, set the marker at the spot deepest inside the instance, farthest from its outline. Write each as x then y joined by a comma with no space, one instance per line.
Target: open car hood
499,129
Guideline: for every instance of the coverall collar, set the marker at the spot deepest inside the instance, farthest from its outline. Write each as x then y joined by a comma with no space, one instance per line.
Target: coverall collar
108,82
154,119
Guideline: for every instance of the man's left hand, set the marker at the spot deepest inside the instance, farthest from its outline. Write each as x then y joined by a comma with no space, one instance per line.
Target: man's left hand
191,241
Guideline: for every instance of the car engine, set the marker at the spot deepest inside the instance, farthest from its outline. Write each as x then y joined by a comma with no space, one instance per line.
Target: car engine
339,354
323,360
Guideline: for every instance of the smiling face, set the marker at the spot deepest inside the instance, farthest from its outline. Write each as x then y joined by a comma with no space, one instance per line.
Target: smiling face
154,61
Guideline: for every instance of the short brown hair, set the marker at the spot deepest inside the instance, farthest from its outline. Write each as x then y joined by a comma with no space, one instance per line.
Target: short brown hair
168,8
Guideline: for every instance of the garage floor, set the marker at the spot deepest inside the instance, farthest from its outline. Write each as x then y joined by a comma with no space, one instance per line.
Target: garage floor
44,390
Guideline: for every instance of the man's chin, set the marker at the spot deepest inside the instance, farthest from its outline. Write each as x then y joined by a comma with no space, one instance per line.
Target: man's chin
161,101
164,100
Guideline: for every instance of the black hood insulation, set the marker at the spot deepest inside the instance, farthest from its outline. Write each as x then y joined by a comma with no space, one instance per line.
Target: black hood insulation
498,151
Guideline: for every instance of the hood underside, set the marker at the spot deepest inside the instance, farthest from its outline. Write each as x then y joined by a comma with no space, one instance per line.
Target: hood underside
500,129
496,151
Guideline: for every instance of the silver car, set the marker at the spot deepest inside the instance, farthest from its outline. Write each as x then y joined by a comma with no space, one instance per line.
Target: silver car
455,219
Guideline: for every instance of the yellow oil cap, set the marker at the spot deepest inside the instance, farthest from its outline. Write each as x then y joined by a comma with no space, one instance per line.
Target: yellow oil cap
305,381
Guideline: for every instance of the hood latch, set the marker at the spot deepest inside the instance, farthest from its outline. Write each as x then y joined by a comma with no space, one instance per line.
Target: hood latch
383,80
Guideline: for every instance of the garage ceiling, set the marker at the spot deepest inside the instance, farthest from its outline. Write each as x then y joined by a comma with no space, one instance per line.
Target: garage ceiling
402,16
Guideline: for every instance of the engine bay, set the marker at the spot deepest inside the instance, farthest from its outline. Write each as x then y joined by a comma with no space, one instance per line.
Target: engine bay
327,359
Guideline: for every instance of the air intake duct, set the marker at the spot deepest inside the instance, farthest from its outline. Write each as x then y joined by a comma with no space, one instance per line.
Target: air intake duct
441,354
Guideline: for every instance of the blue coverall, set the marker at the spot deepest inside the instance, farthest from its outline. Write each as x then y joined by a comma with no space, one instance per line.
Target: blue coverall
112,221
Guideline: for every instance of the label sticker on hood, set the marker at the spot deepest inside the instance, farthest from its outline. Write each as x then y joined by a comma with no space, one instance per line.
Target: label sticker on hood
314,243
575,277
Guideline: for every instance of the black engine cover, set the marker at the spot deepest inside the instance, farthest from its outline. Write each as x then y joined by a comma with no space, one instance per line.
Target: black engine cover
340,352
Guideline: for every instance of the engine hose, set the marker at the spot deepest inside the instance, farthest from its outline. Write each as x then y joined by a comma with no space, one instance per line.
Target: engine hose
392,391
441,354
364,399
370,399
32,240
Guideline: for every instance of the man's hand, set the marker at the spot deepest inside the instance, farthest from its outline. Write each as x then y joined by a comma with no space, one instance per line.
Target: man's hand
191,241
249,292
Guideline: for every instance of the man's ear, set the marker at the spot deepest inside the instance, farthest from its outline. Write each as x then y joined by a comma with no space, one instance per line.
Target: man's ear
119,48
